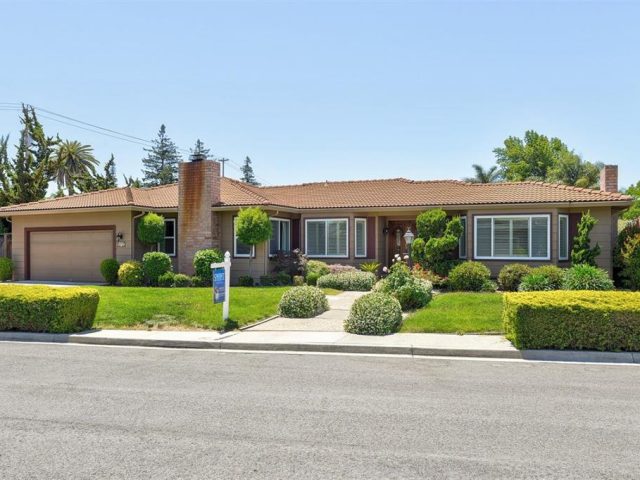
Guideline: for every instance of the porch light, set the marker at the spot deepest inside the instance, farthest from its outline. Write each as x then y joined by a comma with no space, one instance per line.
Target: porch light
120,240
409,236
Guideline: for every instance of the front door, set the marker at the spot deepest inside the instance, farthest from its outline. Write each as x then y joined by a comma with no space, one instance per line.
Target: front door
395,237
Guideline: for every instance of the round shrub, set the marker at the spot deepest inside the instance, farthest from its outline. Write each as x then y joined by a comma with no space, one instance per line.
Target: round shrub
374,314
166,279
317,267
535,282
312,278
303,302
245,281
586,277
416,293
348,281
553,274
151,229
181,280
130,274
6,269
202,261
155,264
109,270
511,275
469,276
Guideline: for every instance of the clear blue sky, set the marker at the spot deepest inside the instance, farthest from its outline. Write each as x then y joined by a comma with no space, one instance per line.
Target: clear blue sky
315,91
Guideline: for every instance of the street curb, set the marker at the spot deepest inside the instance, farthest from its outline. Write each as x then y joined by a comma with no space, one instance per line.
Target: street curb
409,350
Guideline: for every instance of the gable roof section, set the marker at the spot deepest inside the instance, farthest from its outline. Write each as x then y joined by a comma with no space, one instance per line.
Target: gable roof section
396,192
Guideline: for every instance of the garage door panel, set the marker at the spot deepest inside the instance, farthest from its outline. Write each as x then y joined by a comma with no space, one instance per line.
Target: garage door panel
72,256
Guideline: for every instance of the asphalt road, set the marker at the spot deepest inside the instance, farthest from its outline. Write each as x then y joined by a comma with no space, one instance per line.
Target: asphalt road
69,411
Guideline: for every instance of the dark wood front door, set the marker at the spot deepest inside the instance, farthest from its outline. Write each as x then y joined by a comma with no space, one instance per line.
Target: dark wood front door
395,237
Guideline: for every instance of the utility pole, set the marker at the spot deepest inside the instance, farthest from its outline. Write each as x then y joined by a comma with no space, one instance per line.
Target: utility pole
223,161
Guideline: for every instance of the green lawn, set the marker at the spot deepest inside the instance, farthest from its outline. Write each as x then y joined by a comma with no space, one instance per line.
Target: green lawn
459,312
171,308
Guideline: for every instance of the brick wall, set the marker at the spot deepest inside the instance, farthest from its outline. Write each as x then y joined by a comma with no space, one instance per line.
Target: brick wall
198,190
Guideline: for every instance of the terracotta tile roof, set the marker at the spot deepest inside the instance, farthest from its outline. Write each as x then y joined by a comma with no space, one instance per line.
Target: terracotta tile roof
396,192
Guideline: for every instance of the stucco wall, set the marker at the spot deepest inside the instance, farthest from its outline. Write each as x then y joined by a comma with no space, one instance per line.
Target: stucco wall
121,219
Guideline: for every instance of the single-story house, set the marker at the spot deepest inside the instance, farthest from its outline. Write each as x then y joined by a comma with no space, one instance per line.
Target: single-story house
347,222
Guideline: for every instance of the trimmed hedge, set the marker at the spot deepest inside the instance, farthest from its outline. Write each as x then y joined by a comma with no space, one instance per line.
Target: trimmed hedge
155,264
511,275
6,269
470,277
374,314
109,270
576,320
130,274
303,302
355,281
202,261
35,308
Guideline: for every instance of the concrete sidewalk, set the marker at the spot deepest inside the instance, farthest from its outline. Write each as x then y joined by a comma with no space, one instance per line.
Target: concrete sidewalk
412,344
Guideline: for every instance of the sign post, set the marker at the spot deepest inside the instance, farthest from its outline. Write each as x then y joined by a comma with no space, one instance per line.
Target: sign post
221,280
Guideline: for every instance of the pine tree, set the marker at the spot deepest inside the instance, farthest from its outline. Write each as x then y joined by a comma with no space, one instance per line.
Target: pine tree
25,178
199,149
92,183
161,163
247,173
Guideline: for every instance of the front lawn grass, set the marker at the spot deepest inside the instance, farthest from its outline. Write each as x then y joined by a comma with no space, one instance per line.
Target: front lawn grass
175,308
458,312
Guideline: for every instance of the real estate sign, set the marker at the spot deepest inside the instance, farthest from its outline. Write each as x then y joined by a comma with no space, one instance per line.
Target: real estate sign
221,277
219,287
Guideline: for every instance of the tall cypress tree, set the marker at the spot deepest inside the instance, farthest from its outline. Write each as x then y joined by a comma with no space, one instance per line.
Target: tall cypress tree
160,166
247,173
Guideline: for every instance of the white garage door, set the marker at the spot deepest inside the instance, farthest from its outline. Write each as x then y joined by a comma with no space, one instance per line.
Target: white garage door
70,256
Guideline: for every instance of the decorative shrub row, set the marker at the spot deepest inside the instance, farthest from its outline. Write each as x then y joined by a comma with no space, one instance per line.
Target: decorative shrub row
303,302
6,269
47,309
576,320
348,281
471,277
374,314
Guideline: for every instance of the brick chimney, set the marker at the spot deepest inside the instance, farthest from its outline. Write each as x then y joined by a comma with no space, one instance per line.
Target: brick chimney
609,179
198,190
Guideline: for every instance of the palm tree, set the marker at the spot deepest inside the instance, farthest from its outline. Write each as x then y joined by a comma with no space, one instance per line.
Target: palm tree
490,175
72,160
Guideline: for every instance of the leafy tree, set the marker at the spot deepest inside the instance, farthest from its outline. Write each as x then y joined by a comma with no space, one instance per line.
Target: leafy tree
630,254
199,149
437,240
151,229
247,173
490,175
634,211
72,161
25,178
537,157
92,183
160,167
582,252
253,227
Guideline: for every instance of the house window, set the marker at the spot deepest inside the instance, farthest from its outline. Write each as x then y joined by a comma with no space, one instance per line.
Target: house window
462,243
503,237
168,245
563,237
327,238
241,249
280,236
361,237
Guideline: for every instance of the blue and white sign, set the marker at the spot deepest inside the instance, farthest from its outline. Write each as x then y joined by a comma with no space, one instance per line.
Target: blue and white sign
219,285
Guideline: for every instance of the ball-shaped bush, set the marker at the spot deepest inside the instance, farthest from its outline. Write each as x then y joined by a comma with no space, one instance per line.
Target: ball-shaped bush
553,274
130,274
317,267
166,280
414,294
181,280
109,270
151,229
155,264
374,314
6,269
303,302
312,278
469,276
202,261
586,277
511,275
